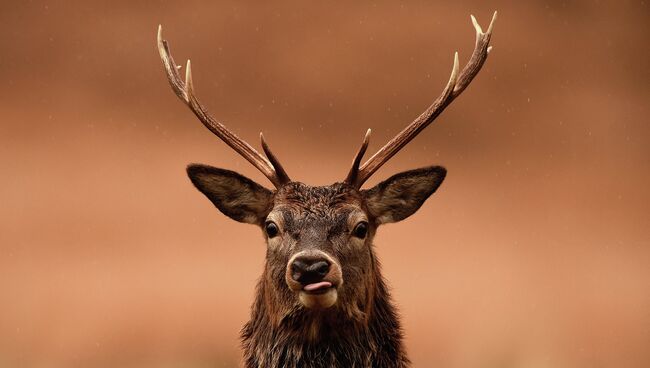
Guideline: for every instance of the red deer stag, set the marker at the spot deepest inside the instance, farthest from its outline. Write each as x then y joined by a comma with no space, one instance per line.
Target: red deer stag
321,300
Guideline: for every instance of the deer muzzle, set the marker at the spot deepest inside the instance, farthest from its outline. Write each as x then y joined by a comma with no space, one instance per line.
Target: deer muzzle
315,277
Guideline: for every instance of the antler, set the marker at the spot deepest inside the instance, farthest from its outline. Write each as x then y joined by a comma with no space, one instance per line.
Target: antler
456,85
270,167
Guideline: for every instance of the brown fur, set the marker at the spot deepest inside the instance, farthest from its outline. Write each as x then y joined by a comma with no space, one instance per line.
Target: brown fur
362,328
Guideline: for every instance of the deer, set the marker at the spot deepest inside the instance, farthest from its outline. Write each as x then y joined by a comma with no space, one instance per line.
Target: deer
321,300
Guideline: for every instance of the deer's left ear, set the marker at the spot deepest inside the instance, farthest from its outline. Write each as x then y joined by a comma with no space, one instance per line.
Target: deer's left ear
402,194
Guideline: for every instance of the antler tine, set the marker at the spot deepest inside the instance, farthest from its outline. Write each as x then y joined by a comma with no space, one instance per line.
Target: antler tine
279,170
456,85
481,51
354,170
185,91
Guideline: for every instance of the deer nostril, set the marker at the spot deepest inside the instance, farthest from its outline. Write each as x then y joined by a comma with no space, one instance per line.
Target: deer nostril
321,268
308,271
298,268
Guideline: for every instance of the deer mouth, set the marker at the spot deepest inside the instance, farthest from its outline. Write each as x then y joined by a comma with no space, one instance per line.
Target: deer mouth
317,288
320,295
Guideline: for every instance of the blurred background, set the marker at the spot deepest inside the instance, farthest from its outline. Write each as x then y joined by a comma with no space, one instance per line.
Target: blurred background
535,252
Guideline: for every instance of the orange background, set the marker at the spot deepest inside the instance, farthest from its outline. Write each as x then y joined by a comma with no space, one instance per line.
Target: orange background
535,252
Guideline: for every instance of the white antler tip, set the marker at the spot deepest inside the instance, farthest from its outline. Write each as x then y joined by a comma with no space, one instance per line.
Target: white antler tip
489,49
188,78
477,26
265,147
159,37
494,17
366,137
454,73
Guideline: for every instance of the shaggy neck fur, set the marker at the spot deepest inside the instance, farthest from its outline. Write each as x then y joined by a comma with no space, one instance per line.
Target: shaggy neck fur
366,335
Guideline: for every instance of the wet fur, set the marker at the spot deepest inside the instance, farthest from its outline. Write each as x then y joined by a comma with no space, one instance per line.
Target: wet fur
362,329
313,339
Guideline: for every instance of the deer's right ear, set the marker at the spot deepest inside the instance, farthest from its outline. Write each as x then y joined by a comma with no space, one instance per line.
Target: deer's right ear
236,196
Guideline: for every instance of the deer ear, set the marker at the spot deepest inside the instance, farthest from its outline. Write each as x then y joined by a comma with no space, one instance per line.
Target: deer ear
402,194
234,195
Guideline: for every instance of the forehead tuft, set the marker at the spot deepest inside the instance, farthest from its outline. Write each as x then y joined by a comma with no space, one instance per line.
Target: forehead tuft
301,196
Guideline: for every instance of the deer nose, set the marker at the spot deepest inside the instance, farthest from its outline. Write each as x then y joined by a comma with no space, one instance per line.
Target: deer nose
307,270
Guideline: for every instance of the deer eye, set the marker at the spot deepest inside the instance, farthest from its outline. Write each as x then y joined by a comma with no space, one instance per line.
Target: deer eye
271,229
361,230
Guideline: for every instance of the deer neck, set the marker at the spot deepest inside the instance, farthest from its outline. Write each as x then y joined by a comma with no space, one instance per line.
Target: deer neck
368,335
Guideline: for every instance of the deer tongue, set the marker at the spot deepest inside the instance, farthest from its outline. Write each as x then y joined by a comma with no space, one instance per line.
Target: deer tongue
317,286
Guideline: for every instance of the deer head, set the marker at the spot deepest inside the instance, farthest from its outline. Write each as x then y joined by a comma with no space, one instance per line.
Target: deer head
319,239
